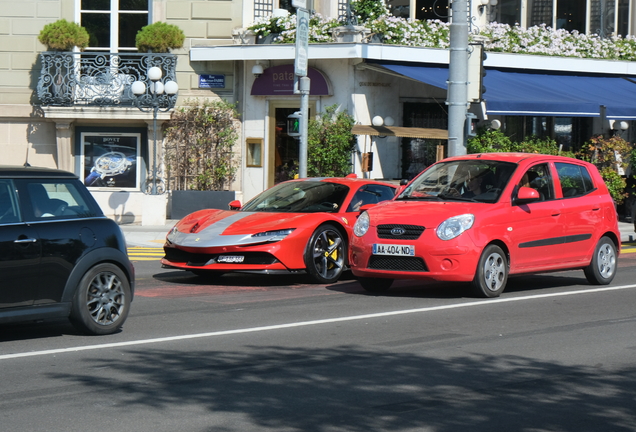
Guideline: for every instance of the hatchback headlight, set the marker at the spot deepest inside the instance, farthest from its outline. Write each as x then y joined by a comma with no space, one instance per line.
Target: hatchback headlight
453,227
361,226
276,235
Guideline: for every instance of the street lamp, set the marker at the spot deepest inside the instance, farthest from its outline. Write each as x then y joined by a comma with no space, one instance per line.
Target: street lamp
160,97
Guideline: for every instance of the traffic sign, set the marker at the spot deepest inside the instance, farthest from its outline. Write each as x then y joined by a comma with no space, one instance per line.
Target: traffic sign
302,42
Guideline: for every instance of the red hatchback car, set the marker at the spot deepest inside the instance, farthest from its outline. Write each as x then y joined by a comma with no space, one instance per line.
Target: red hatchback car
481,217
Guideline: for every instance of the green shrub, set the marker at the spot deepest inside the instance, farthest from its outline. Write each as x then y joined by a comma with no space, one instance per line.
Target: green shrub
159,37
330,144
63,35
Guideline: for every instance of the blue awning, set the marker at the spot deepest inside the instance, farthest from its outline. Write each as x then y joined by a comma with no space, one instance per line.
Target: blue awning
539,94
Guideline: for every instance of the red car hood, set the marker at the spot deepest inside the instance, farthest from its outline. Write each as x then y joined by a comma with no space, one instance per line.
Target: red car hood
428,214
239,222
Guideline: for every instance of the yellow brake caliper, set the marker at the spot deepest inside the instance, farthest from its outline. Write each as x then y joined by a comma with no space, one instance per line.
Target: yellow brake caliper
334,254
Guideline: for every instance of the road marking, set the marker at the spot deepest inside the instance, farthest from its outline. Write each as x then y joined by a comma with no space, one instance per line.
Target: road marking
310,323
145,253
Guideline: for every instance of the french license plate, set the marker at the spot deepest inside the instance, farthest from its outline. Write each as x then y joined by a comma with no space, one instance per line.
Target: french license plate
396,250
230,258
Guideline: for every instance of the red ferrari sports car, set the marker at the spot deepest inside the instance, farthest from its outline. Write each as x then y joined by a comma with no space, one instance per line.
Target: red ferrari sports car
480,217
296,226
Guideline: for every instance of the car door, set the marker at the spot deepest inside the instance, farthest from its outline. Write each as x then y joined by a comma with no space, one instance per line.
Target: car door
535,227
55,211
19,252
582,211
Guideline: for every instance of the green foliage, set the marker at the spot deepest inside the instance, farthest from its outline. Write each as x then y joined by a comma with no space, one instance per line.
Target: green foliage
330,144
366,10
63,35
609,155
199,145
159,37
489,141
615,184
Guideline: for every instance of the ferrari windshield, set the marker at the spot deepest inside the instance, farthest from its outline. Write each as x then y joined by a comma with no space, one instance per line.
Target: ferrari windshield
461,180
300,197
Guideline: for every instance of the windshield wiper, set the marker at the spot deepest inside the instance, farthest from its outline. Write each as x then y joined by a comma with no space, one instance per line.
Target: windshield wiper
455,197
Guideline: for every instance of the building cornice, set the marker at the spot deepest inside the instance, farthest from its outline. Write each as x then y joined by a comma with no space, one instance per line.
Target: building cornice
364,51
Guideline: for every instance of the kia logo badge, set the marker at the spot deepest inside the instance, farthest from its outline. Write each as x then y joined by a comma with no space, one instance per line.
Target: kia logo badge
398,231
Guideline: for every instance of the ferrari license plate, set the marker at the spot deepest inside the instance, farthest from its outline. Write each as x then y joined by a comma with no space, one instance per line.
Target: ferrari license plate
230,259
395,250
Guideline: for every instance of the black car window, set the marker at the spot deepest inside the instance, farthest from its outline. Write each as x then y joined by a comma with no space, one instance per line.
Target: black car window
9,211
538,178
370,194
49,199
575,180
308,196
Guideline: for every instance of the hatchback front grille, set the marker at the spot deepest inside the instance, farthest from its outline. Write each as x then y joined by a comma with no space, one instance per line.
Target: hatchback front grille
410,232
397,263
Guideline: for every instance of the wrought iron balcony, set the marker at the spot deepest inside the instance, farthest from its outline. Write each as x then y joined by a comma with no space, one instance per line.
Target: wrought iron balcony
97,78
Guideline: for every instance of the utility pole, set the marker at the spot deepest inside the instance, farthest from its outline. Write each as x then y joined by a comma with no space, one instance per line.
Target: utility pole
301,80
457,99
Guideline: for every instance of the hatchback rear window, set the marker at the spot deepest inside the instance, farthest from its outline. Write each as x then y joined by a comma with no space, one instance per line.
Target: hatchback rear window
575,179
55,199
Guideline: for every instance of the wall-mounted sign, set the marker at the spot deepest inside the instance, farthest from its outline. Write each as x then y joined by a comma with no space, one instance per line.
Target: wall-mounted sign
211,81
279,80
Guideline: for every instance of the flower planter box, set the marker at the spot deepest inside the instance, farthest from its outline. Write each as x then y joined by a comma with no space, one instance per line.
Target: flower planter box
185,202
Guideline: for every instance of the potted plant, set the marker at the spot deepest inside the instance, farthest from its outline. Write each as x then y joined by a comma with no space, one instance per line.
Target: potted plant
63,35
159,37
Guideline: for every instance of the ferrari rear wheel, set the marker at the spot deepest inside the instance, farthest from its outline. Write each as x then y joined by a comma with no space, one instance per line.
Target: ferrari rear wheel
325,256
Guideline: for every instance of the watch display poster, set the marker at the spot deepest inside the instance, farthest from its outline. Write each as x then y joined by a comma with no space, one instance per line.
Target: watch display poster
110,161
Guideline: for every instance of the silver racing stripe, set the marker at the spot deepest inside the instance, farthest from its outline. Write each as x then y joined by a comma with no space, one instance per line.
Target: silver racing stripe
212,235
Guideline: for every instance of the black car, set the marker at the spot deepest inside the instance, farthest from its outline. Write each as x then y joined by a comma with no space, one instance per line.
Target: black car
59,255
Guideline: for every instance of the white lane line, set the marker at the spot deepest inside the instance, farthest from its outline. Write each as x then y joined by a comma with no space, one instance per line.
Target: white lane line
311,323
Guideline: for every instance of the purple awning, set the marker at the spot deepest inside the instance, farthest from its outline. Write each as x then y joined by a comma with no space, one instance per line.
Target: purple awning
279,80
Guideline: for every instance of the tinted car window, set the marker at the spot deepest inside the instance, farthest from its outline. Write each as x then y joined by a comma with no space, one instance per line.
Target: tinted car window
538,178
575,179
9,210
48,199
300,197
370,194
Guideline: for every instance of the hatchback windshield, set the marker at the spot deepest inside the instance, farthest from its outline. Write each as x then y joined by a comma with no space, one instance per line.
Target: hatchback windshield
300,197
463,180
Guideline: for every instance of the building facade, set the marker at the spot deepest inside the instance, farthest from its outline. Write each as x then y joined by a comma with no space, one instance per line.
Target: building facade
403,87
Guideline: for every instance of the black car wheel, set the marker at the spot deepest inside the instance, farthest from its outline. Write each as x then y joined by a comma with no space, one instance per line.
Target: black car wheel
492,272
375,285
102,300
602,269
325,254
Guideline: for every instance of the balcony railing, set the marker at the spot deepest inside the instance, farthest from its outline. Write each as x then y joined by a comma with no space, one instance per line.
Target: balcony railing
97,78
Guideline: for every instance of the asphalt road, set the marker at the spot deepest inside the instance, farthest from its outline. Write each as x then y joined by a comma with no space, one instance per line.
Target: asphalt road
254,353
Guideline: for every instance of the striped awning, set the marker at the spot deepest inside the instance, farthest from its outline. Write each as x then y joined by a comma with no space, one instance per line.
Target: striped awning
407,132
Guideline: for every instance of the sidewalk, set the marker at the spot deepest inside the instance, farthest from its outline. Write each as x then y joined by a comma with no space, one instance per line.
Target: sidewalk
154,236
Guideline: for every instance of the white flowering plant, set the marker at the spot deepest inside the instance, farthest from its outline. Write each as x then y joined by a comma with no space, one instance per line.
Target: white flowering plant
540,40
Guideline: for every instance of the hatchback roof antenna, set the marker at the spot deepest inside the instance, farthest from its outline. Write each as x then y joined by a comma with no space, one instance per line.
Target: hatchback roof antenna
26,161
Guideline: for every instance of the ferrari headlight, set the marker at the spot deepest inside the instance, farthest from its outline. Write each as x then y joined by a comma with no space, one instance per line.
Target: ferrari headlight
276,235
361,226
172,234
453,227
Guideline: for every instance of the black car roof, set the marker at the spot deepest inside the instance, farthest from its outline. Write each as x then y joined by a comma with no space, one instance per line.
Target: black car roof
11,171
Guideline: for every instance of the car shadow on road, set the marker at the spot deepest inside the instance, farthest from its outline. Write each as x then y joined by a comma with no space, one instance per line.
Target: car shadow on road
434,289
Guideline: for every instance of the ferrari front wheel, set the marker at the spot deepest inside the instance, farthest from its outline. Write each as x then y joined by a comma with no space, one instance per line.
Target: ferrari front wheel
325,254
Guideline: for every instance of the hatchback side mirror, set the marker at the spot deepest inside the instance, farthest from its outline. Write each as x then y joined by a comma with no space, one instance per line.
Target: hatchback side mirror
526,195
235,205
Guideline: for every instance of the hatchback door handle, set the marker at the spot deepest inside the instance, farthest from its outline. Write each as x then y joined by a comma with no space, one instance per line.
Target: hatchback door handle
26,240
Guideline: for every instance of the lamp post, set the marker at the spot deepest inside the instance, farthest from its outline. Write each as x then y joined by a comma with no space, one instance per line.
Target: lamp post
160,97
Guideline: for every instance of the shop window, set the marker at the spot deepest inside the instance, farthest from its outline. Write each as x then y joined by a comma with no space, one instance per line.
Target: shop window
509,12
110,160
418,153
569,132
571,15
540,12
113,26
